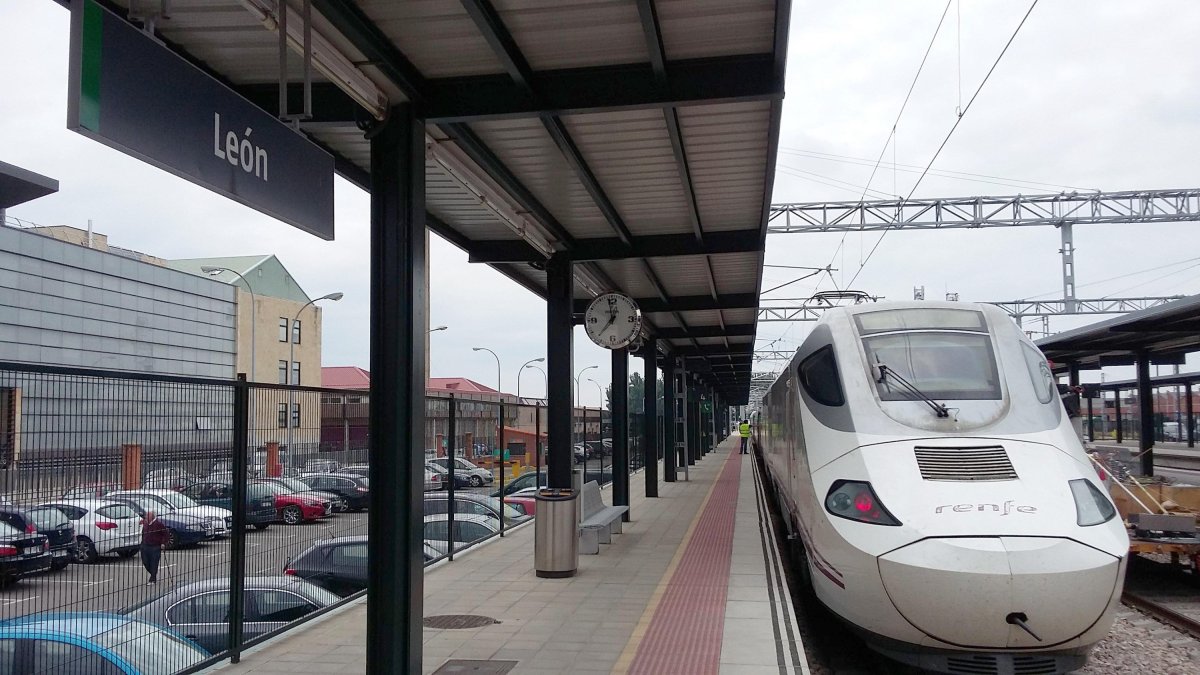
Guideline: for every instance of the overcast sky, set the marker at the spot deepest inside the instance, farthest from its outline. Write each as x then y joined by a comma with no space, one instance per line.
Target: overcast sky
1091,95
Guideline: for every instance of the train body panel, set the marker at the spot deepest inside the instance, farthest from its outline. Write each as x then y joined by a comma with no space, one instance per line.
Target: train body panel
945,504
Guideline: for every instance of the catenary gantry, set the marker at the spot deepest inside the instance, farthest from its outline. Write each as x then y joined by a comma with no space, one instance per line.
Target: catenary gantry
577,148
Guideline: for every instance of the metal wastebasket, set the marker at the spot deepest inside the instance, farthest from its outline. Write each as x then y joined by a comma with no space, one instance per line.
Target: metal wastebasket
556,533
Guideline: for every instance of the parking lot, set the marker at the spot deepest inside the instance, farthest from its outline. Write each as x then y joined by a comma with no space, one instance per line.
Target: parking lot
113,582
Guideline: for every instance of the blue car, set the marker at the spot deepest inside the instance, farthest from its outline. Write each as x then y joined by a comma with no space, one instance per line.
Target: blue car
185,530
96,643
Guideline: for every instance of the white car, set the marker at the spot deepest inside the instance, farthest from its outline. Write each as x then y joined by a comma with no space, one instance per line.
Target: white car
468,528
171,501
102,526
433,479
478,475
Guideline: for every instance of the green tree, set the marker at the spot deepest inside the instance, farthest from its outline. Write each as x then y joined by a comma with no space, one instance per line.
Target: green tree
637,390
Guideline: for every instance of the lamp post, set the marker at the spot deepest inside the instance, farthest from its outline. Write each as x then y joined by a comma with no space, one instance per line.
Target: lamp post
434,330
545,378
599,389
578,401
212,270
292,355
528,364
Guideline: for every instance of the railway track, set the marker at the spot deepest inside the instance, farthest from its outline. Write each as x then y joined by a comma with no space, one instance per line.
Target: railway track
1163,613
1169,593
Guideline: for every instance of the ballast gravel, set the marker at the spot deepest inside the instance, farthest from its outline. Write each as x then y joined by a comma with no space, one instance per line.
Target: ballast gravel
1140,644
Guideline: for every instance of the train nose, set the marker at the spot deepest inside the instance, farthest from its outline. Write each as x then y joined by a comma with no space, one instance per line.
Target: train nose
966,591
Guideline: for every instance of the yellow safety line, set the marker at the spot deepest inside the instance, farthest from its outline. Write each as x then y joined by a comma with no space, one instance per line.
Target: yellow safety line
639,631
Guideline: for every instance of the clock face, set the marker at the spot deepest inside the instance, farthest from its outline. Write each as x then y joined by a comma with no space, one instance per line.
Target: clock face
612,320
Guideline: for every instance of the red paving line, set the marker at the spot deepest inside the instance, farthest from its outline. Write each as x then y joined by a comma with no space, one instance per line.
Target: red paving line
685,633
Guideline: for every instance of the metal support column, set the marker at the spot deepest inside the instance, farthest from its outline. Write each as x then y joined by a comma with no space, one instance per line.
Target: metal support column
451,429
693,420
620,429
397,422
1119,434
650,417
1068,268
670,458
1091,421
237,543
559,408
1191,424
1145,391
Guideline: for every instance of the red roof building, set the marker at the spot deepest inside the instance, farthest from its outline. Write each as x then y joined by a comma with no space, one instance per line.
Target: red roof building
345,377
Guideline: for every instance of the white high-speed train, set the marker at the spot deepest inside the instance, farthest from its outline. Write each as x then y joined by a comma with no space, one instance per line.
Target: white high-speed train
947,510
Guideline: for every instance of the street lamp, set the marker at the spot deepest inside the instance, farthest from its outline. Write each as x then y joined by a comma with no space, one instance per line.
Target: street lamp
485,349
292,356
545,379
577,376
528,364
213,271
434,330
599,389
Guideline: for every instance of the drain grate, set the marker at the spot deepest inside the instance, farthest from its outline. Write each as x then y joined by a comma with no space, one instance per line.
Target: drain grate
477,667
458,621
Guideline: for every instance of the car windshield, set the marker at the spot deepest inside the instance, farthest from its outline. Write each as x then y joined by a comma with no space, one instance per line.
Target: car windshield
292,484
7,530
49,518
148,649
364,481
942,365
179,501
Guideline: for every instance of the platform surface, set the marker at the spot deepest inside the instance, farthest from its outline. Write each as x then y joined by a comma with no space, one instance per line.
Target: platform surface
693,585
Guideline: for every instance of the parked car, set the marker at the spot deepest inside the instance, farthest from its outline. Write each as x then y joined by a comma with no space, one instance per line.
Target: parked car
200,610
354,489
95,643
168,502
294,508
21,553
102,526
433,479
168,479
338,565
460,481
298,486
475,504
468,529
522,482
185,530
321,466
525,503
476,476
59,530
90,490
260,502
357,469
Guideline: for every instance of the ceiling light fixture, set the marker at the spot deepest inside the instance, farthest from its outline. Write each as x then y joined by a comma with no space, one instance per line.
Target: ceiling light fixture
325,57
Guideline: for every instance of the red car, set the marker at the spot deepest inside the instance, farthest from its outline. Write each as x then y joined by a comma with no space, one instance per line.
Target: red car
294,508
528,503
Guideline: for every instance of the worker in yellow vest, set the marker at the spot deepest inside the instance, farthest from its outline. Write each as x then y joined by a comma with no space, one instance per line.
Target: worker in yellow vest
744,430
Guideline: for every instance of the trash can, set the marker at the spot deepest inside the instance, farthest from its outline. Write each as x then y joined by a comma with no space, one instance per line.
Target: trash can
556,533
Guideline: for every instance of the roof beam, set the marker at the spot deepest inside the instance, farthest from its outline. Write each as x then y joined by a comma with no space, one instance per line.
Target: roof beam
688,303
746,350
378,49
573,91
730,330
612,248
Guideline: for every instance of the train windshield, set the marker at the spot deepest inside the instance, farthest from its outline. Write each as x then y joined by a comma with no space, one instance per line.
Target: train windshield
942,365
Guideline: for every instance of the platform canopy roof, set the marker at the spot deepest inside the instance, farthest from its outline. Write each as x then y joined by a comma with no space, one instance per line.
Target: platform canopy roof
1166,332
18,186
639,137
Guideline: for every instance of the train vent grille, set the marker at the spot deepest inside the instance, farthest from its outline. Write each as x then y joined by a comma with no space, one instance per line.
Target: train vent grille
1034,665
981,664
965,464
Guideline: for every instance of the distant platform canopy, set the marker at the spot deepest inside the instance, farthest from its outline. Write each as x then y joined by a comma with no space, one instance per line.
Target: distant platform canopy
1166,333
18,186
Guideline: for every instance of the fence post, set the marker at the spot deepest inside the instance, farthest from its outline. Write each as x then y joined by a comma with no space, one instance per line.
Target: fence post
500,441
237,542
450,506
274,469
537,443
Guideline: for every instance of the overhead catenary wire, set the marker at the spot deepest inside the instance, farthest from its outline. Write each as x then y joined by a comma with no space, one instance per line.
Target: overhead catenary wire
1155,268
950,133
892,131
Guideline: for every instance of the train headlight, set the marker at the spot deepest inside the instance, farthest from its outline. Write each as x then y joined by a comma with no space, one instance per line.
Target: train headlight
855,500
1091,506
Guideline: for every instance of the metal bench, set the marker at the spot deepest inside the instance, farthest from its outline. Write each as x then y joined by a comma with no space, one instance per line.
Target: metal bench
598,522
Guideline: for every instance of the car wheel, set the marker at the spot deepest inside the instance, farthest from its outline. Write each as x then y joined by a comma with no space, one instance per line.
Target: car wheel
85,551
8,580
172,540
292,515
261,526
127,553
60,563
476,481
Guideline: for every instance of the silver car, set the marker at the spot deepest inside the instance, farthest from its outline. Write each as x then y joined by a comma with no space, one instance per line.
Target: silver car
477,475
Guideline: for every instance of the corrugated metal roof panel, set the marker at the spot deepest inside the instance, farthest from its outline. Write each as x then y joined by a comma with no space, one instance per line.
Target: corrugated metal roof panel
682,275
630,153
739,316
700,28
725,145
423,29
573,33
630,275
529,152
736,272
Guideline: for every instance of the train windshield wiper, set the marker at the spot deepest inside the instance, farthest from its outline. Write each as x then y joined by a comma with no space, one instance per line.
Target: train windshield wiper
938,408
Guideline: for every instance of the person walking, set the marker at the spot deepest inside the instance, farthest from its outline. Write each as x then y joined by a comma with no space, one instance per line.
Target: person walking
154,536
744,430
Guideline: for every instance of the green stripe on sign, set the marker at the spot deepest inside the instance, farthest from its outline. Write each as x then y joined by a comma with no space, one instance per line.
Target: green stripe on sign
89,84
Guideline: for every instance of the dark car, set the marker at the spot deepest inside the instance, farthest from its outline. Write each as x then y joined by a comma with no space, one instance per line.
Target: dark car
260,500
356,490
185,530
528,480
461,480
168,479
200,610
21,554
363,470
338,565
475,504
47,520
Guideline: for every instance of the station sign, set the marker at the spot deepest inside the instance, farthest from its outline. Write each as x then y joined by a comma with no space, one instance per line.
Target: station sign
133,94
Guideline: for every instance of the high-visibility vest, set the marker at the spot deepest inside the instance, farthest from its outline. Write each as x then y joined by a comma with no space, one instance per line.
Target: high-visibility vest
744,429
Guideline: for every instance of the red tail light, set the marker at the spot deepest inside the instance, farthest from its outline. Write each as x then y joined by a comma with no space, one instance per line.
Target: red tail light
106,525
8,550
863,503
30,529
362,489
290,572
